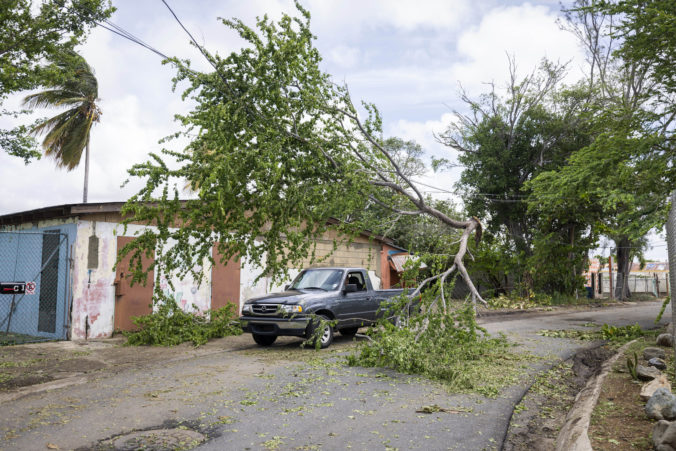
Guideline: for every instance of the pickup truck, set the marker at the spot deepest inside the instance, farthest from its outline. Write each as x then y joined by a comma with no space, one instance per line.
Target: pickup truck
343,297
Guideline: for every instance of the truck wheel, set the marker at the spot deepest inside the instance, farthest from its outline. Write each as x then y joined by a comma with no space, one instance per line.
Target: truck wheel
264,340
348,331
325,335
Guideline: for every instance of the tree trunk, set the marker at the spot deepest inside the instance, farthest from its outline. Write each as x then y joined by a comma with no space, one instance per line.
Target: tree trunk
86,177
623,268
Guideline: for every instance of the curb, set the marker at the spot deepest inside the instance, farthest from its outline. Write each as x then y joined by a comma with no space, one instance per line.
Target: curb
574,433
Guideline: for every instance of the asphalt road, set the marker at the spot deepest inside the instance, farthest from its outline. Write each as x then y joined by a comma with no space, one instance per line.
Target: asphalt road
289,398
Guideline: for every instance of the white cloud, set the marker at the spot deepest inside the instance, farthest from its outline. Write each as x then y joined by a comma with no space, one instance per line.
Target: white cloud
528,32
344,56
344,17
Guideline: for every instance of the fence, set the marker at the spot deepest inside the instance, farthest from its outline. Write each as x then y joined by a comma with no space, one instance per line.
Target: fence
656,284
34,305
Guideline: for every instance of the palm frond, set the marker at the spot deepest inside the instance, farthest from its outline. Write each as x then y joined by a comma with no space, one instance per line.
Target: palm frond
67,133
48,125
71,149
53,98
66,140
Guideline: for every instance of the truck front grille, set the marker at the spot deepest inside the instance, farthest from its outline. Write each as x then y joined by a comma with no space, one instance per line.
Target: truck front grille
265,309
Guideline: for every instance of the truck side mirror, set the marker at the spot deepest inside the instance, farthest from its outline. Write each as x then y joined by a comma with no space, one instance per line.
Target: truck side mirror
286,287
350,288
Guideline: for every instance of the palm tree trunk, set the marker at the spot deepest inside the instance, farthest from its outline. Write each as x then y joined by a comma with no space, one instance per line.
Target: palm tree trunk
86,178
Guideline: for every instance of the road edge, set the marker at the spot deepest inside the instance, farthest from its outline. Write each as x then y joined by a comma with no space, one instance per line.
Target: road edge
573,436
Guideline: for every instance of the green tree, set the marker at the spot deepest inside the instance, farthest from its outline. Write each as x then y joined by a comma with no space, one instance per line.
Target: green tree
276,149
68,133
29,36
620,181
503,144
647,30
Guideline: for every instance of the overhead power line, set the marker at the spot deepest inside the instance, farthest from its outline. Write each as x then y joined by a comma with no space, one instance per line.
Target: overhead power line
110,26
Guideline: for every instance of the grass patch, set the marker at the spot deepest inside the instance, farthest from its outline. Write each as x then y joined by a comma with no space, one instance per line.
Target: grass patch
20,364
11,338
607,332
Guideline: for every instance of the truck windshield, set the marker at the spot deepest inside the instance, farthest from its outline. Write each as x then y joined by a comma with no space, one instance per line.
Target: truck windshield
321,279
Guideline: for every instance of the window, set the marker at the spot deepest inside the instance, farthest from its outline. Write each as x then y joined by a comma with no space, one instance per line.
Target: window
357,278
319,279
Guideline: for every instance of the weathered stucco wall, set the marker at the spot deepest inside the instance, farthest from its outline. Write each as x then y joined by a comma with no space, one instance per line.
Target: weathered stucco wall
93,290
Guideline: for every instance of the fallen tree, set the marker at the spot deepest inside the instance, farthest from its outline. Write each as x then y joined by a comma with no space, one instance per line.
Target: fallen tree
276,149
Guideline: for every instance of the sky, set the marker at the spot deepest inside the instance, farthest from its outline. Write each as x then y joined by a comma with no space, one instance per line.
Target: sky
407,57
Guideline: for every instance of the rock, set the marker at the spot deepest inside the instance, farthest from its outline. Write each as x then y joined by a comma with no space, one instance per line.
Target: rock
658,363
649,388
665,340
664,436
649,353
647,373
661,405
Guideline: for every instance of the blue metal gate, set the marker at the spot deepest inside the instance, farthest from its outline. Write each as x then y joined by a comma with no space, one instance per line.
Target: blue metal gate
39,260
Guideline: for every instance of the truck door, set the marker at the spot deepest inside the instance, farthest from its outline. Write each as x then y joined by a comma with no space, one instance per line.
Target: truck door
357,308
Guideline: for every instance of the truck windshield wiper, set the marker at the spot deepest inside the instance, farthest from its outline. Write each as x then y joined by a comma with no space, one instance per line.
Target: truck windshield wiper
313,288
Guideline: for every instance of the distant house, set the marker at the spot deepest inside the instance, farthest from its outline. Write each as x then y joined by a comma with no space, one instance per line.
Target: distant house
67,254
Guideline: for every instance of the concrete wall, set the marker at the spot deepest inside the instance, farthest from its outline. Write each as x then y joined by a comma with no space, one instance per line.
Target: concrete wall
93,289
641,283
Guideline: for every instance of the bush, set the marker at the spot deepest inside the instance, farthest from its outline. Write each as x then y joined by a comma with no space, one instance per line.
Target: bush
169,325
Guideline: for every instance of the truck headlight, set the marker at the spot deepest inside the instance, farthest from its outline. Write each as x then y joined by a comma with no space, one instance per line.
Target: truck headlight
246,308
291,308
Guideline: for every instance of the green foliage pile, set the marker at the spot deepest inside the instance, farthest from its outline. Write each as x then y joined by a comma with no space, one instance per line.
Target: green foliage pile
519,303
624,333
169,325
607,332
453,350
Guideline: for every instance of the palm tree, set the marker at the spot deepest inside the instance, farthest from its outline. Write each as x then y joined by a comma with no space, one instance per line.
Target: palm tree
67,133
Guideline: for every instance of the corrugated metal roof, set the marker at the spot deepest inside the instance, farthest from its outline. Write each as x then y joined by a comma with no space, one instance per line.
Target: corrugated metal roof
397,261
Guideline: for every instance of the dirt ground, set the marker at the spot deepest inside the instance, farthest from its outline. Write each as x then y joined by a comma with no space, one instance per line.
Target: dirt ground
538,418
32,364
619,419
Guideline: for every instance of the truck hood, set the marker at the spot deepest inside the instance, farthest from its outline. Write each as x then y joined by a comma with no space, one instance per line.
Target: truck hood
290,297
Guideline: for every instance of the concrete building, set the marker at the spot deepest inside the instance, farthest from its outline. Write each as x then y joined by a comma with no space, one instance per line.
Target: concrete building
67,254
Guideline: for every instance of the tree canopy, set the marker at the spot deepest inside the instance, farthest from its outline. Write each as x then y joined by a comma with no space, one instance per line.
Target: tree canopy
277,148
620,181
